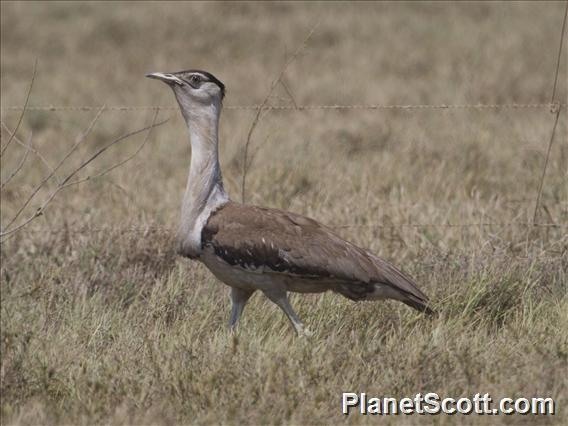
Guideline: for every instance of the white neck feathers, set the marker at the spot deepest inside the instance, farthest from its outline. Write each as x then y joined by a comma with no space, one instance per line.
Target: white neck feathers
204,192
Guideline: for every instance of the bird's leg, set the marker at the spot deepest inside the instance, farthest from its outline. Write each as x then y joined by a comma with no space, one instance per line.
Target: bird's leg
281,299
239,298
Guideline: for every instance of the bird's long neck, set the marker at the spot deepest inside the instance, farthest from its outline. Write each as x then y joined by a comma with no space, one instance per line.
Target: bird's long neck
204,192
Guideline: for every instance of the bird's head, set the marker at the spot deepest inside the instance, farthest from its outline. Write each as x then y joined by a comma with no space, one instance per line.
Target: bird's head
193,88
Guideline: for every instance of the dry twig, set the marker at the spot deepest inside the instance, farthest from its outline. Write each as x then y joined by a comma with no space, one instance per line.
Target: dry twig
557,107
50,175
3,150
67,182
120,163
31,147
20,164
262,106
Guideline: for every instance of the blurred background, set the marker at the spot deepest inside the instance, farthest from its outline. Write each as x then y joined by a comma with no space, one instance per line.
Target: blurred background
95,54
447,193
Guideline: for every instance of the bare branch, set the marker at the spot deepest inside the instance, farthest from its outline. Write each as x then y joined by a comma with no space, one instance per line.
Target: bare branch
288,92
120,163
547,158
23,112
558,108
257,150
20,164
262,107
50,175
32,149
65,183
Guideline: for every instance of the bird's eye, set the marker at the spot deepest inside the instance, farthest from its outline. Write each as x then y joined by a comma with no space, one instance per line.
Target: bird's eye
195,79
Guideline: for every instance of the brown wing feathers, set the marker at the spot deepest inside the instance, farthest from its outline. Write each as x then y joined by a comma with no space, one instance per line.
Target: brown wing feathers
254,237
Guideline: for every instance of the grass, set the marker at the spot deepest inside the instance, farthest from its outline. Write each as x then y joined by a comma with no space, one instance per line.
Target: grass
101,323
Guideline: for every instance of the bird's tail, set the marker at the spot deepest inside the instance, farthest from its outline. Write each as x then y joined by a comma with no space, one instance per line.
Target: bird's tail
402,286
419,305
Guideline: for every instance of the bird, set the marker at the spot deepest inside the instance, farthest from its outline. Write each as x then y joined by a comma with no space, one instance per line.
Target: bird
252,248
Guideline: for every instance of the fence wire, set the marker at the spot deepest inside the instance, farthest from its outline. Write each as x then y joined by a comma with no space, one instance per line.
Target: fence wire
153,228
552,106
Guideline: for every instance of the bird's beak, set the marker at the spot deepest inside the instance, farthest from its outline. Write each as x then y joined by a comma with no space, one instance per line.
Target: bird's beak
166,78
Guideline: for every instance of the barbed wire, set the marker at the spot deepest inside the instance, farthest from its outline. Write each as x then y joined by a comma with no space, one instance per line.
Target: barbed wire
154,228
553,107
454,225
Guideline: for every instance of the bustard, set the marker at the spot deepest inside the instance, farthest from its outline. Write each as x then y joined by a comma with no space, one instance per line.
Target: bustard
253,248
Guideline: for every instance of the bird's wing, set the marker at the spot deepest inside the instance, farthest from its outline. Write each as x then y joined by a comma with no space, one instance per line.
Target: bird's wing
287,243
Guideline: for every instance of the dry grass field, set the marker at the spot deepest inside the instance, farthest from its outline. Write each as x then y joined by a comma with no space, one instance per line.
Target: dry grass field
102,323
